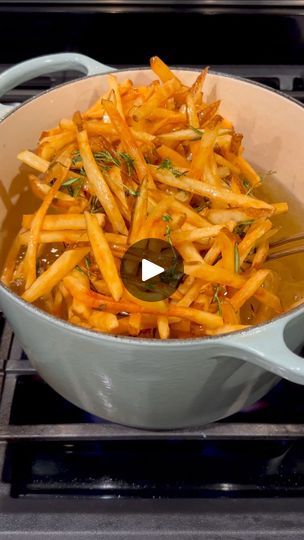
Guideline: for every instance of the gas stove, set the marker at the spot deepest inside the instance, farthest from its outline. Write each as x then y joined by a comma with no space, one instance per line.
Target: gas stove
67,473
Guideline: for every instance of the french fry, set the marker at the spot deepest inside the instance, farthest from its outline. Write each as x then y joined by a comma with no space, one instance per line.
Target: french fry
254,233
161,69
10,261
192,112
165,152
140,212
34,161
197,87
163,327
226,329
59,171
204,150
105,322
158,211
196,235
249,288
161,94
98,184
61,221
104,256
129,143
200,317
191,294
54,274
113,85
247,171
205,190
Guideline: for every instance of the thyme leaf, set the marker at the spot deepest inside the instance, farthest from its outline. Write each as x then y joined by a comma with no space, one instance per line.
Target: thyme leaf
107,158
236,258
129,161
168,165
73,186
76,158
132,192
71,181
239,228
95,205
198,132
216,299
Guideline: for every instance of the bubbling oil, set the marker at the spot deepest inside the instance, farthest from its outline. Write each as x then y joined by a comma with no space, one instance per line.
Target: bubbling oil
287,273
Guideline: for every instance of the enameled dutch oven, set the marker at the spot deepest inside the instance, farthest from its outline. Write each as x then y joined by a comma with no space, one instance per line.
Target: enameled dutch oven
143,382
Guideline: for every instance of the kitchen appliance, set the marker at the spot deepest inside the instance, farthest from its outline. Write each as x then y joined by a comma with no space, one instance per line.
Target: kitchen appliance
227,511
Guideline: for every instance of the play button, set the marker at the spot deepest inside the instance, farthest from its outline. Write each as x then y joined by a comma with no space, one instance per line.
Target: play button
151,269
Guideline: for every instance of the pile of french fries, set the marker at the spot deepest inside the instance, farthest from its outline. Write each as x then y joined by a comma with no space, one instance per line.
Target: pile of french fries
155,161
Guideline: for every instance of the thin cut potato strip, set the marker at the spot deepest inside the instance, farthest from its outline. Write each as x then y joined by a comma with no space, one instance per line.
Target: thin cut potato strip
104,256
61,221
249,289
60,172
128,142
216,194
195,235
163,327
55,273
34,161
99,186
154,162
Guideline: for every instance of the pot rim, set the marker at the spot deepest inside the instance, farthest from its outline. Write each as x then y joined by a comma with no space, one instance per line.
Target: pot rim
184,342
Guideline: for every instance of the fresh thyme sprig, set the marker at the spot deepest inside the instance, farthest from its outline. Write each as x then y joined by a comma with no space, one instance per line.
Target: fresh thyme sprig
216,299
167,164
73,189
236,258
198,132
166,217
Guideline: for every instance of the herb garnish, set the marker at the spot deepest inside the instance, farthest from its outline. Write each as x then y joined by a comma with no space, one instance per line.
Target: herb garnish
79,269
132,192
95,205
236,258
166,217
73,189
71,181
239,228
129,161
197,132
167,164
106,157
202,206
168,235
76,158
217,299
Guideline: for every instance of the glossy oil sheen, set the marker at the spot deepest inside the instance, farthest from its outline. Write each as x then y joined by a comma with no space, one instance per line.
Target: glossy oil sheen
149,383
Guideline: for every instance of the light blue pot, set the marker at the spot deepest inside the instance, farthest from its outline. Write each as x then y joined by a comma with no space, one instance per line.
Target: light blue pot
151,383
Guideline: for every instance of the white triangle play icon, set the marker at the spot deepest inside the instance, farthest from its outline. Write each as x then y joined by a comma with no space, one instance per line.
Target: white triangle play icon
150,270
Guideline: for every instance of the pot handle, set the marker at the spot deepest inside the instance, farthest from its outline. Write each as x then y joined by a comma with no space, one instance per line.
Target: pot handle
273,346
41,65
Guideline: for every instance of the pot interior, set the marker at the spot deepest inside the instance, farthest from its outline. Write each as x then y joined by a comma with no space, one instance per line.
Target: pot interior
272,126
